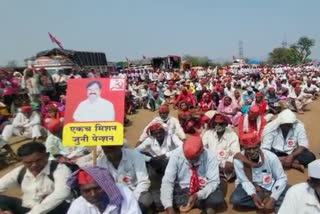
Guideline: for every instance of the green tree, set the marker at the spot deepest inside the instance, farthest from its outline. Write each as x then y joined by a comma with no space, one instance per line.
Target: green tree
198,60
303,48
283,56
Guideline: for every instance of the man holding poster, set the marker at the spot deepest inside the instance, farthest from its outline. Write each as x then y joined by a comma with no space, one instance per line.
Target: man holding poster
94,108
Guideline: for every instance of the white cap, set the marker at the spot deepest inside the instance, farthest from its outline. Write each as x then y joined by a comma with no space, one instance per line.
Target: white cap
314,169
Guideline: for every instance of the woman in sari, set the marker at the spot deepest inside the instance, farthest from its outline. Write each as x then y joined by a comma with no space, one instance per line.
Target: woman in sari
230,109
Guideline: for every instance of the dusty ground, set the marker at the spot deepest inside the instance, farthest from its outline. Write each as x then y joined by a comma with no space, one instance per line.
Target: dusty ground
311,120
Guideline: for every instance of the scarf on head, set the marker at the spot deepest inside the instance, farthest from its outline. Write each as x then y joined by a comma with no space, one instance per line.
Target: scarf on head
104,179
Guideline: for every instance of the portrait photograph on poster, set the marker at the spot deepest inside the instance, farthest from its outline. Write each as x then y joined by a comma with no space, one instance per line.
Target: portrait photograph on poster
94,112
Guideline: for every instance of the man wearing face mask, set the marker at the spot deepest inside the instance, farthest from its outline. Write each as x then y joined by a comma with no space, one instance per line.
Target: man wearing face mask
262,187
172,124
304,197
195,171
223,142
286,137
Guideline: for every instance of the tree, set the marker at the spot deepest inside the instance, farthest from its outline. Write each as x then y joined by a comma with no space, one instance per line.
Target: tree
283,56
303,48
198,60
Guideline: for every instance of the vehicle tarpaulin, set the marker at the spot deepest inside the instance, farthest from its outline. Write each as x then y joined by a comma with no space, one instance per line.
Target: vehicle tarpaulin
80,58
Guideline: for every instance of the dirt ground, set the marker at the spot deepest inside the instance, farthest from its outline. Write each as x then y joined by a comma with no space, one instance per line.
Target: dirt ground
311,120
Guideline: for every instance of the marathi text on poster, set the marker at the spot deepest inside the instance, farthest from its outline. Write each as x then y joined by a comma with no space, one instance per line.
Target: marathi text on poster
93,134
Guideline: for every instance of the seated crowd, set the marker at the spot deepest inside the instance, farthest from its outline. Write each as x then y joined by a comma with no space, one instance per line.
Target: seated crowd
220,136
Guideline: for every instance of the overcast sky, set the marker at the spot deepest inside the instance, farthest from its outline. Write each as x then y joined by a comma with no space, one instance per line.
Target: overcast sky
132,28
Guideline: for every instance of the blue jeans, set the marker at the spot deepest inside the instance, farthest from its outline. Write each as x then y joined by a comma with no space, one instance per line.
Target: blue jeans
240,198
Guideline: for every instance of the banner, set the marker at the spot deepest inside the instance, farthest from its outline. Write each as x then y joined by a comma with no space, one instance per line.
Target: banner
94,112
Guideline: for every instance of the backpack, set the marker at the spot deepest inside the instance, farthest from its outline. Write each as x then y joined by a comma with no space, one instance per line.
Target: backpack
53,167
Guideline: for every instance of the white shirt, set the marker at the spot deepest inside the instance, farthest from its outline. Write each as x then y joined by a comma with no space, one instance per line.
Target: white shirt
269,176
131,171
129,205
170,143
40,193
225,148
296,137
99,110
22,121
173,127
300,199
178,172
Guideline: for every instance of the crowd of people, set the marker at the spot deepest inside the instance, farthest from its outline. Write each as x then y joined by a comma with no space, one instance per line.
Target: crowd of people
233,125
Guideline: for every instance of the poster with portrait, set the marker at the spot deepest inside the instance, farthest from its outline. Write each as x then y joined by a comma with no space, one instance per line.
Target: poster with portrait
94,112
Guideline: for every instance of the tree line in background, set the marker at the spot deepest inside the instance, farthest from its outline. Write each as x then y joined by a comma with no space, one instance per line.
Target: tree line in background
297,53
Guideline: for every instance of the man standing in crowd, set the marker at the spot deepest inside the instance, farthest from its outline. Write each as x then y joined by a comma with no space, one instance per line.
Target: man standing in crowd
304,197
195,171
262,187
42,182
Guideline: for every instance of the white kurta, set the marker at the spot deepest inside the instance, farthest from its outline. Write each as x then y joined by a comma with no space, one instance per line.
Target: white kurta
300,199
100,110
23,126
172,125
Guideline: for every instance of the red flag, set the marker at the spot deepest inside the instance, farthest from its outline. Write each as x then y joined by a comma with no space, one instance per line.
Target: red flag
54,40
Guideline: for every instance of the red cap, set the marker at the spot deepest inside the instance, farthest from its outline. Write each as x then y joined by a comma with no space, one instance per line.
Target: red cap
192,147
272,89
155,126
219,118
84,178
54,125
25,109
259,94
164,109
249,139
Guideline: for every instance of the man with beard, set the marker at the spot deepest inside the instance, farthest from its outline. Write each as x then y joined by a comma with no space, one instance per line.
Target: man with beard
172,124
94,108
304,197
223,142
262,187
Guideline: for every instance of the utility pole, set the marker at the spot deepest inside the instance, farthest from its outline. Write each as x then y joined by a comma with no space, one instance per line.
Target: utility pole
241,55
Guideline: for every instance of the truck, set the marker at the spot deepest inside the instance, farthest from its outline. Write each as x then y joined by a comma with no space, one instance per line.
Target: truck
56,60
